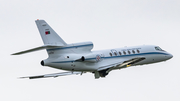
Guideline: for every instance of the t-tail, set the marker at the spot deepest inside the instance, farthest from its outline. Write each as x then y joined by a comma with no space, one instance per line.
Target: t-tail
48,35
50,38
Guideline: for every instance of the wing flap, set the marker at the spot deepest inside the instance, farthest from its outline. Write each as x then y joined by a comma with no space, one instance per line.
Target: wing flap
52,75
36,49
131,61
123,64
109,66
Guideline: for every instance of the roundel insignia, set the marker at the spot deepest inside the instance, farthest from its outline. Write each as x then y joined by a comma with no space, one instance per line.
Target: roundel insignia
98,57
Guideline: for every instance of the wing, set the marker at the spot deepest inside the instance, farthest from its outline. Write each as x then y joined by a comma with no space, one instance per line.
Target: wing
52,75
123,64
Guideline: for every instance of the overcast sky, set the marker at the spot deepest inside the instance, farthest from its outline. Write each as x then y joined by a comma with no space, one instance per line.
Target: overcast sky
108,24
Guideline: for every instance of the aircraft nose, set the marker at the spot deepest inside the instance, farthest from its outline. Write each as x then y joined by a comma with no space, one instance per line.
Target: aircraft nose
169,56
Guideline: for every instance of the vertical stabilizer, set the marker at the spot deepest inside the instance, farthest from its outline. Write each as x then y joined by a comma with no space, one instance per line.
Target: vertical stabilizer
48,35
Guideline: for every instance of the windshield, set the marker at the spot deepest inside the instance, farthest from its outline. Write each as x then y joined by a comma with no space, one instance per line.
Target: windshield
158,48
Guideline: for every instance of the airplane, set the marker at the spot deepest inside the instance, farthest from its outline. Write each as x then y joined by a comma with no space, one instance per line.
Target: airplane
78,58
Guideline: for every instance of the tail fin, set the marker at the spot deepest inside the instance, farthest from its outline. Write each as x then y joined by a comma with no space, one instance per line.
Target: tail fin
48,35
50,38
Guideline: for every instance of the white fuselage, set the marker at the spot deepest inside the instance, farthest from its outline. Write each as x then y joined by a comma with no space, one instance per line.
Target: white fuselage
97,59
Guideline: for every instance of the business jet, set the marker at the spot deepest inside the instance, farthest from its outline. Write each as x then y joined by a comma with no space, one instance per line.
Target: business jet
77,58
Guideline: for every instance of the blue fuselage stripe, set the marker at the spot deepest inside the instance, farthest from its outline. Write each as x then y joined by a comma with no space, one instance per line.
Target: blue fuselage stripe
149,53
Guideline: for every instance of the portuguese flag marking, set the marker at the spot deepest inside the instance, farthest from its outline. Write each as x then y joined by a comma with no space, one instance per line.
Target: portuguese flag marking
47,32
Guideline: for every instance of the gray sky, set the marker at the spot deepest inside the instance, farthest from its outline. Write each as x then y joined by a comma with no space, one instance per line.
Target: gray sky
108,24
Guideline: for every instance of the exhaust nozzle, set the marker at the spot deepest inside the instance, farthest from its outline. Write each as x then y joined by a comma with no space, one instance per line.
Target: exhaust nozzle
42,63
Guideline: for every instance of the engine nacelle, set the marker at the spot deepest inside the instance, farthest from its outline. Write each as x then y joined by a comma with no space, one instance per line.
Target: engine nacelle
91,58
45,62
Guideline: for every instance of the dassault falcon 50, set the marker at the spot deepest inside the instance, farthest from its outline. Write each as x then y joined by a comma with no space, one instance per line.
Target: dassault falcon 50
77,58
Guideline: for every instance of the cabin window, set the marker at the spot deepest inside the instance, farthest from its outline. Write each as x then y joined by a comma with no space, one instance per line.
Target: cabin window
138,51
110,54
129,52
124,52
115,53
120,53
133,51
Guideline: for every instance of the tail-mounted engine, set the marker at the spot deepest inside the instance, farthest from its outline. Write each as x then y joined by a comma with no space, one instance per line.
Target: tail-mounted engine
91,58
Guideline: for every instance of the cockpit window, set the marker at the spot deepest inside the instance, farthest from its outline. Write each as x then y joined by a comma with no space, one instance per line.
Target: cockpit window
158,48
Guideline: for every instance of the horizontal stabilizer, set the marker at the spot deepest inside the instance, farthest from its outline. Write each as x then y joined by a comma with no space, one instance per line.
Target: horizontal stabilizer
37,48
52,75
